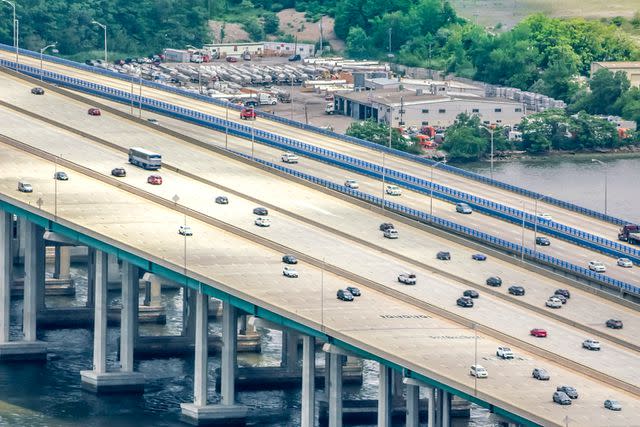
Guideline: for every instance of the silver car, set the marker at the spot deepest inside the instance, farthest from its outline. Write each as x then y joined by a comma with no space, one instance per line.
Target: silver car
25,187
613,405
591,344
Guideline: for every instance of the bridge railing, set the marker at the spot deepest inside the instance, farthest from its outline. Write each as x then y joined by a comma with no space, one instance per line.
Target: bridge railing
350,139
342,160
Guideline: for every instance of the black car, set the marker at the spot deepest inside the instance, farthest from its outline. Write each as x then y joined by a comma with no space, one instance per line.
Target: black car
119,172
261,211
494,281
222,200
561,297
354,291
464,302
543,241
614,324
540,374
344,295
564,292
386,226
289,259
295,57
568,390
251,103
61,176
516,290
37,91
444,255
471,293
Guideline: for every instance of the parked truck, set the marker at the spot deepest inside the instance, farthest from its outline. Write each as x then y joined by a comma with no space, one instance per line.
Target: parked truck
630,233
266,99
329,108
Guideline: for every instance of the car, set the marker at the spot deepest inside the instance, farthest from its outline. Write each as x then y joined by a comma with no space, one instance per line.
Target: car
248,114
295,57
545,217
288,271
504,353
444,255
464,302
222,200
37,91
494,281
262,222
568,390
185,230
391,233
393,190
407,278
478,371
540,374
61,176
94,111
119,172
543,241
289,259
153,121
385,226
154,179
553,302
232,59
251,103
614,324
471,293
354,291
516,290
479,257
351,183
289,157
260,211
538,332
24,187
612,405
624,262
463,208
591,344
561,398
564,292
344,295
597,266
562,298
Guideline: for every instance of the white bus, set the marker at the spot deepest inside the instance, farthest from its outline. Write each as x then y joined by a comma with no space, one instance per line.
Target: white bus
144,158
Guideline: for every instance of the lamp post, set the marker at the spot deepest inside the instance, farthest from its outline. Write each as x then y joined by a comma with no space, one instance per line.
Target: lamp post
41,54
253,134
226,126
491,130
384,169
522,242
606,170
535,223
104,27
433,166
15,26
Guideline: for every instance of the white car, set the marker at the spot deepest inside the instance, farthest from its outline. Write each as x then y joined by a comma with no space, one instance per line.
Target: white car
351,183
545,216
624,262
554,303
262,222
390,233
597,266
478,371
407,278
290,158
185,230
289,271
590,344
504,353
393,190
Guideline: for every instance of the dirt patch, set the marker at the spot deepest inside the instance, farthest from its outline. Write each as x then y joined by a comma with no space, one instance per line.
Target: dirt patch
232,32
295,24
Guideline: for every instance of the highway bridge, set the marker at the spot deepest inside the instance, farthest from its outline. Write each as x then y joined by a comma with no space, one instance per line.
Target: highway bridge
407,329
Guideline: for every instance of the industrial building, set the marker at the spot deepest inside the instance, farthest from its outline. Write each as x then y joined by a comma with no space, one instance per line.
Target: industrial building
630,68
222,50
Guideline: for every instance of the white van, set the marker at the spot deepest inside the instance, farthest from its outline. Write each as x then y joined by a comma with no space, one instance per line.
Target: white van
25,187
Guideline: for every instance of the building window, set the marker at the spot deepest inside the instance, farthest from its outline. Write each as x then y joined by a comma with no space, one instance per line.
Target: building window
475,110
425,123
498,121
400,123
425,111
235,48
442,110
518,110
498,110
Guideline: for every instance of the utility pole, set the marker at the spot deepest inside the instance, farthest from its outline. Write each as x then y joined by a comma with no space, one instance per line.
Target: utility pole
389,41
321,36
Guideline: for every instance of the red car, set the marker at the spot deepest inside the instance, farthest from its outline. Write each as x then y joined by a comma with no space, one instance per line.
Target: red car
539,333
94,112
154,179
248,114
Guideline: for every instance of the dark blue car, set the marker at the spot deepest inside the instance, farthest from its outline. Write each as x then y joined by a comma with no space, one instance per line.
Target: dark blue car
479,257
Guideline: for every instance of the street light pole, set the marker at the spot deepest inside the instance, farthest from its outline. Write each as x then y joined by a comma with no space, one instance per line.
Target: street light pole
535,223
15,26
253,137
41,54
226,127
433,166
491,131
522,242
606,170
104,27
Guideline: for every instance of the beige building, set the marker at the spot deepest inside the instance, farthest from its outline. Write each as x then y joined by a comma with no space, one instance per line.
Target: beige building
408,108
632,69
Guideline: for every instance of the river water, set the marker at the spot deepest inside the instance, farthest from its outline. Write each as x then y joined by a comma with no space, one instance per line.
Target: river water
50,394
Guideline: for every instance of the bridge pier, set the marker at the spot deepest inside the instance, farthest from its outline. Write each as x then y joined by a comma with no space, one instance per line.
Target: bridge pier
199,412
308,399
385,402
29,348
100,380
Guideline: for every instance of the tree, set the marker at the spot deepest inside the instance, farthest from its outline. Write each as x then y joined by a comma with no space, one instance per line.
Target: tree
358,43
605,90
467,139
271,22
378,133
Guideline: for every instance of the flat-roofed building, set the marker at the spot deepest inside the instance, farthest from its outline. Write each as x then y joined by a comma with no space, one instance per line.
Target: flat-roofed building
630,68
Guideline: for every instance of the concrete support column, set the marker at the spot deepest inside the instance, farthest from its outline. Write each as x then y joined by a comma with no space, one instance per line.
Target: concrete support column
34,265
308,381
113,271
229,353
335,390
385,382
200,384
128,315
242,324
289,355
91,276
62,267
156,291
438,406
431,410
6,260
446,409
413,406
189,313
100,321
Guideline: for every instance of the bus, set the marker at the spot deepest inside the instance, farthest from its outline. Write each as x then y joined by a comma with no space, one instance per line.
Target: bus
144,158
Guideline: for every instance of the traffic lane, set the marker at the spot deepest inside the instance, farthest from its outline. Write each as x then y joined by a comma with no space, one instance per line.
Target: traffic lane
501,196
209,256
